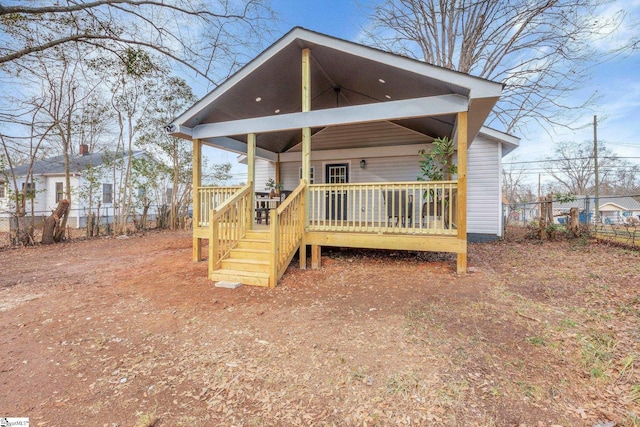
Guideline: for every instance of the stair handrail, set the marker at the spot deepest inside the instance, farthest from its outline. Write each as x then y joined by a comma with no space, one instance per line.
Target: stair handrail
287,231
228,224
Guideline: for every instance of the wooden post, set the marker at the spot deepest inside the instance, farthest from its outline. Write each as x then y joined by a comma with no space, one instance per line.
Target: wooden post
213,242
462,191
302,250
275,246
306,144
251,174
197,183
316,256
278,174
306,107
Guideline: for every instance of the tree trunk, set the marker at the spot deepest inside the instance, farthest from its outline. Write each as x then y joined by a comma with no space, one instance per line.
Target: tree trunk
51,227
574,224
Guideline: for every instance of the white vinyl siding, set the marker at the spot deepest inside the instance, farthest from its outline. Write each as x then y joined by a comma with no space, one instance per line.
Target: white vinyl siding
265,170
483,177
483,188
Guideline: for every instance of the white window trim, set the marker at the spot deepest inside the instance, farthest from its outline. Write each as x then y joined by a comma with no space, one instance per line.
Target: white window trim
335,162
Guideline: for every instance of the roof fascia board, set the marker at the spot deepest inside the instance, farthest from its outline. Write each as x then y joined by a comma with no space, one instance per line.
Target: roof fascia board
391,110
180,131
508,142
614,205
230,144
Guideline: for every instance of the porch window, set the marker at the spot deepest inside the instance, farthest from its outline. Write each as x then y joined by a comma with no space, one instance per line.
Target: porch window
311,178
107,193
59,192
3,193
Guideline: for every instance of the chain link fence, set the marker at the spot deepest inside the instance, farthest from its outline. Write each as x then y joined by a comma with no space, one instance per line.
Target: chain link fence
617,219
77,221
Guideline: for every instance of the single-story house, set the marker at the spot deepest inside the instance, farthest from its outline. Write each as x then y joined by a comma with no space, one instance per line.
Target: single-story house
340,125
612,209
48,187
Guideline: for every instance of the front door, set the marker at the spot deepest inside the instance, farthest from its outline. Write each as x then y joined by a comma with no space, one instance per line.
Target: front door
336,201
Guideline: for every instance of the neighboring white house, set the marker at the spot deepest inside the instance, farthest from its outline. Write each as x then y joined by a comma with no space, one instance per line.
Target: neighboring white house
48,188
612,209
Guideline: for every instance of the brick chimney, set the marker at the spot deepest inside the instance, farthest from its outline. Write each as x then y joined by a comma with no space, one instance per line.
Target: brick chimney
84,149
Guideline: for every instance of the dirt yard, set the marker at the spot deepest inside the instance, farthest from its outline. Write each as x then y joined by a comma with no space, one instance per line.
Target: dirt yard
129,332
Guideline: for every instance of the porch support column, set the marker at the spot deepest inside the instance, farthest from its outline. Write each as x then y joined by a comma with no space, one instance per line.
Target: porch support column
197,183
462,191
251,174
278,175
306,142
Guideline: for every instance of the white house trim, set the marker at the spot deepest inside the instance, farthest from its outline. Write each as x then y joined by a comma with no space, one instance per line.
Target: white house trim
391,110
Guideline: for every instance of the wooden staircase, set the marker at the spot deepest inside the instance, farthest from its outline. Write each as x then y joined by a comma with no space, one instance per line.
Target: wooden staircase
248,262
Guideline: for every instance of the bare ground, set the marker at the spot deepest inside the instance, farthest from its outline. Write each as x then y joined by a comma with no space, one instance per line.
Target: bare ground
129,332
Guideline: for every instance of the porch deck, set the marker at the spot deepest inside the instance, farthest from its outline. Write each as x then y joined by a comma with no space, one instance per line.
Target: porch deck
373,215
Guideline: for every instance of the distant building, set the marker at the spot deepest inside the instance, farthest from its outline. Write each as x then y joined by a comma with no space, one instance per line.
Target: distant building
612,209
48,187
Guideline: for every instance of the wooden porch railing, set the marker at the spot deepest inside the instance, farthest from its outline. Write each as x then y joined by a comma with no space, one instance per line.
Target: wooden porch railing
287,232
400,207
211,198
228,224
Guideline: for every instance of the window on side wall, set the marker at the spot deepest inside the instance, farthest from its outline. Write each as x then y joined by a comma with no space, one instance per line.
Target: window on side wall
59,192
107,193
31,189
3,192
312,177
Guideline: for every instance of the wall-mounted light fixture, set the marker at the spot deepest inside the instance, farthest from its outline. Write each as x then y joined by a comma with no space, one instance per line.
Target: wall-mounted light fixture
363,164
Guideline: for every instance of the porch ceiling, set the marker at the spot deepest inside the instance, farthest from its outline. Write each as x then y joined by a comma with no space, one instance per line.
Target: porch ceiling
343,74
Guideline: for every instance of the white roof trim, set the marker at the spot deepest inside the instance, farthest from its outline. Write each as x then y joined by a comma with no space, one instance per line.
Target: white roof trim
508,141
392,110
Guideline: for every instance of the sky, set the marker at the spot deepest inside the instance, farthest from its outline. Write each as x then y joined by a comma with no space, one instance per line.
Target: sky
616,85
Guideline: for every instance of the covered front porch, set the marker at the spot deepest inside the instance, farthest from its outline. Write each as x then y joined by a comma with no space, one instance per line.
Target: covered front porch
303,92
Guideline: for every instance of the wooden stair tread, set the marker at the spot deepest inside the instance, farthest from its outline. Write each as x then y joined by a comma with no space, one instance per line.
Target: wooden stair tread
251,250
242,273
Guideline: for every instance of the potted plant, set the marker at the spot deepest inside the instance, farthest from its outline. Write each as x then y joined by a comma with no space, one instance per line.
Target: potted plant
274,187
437,165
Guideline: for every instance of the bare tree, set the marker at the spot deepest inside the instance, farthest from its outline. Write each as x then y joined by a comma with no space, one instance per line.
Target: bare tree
573,167
69,87
540,49
193,33
514,187
172,95
22,149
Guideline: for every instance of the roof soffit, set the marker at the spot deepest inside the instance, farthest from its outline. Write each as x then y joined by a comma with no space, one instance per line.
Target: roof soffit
343,74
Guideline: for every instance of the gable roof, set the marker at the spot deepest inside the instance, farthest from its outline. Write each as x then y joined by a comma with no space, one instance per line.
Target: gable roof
77,164
623,202
343,74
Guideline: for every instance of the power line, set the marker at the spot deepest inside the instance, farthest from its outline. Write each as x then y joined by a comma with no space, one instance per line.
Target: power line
569,159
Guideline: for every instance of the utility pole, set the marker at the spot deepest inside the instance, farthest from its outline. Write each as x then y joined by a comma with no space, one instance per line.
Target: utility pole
595,165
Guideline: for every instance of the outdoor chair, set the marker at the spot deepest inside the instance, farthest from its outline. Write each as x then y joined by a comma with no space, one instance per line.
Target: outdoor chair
399,209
